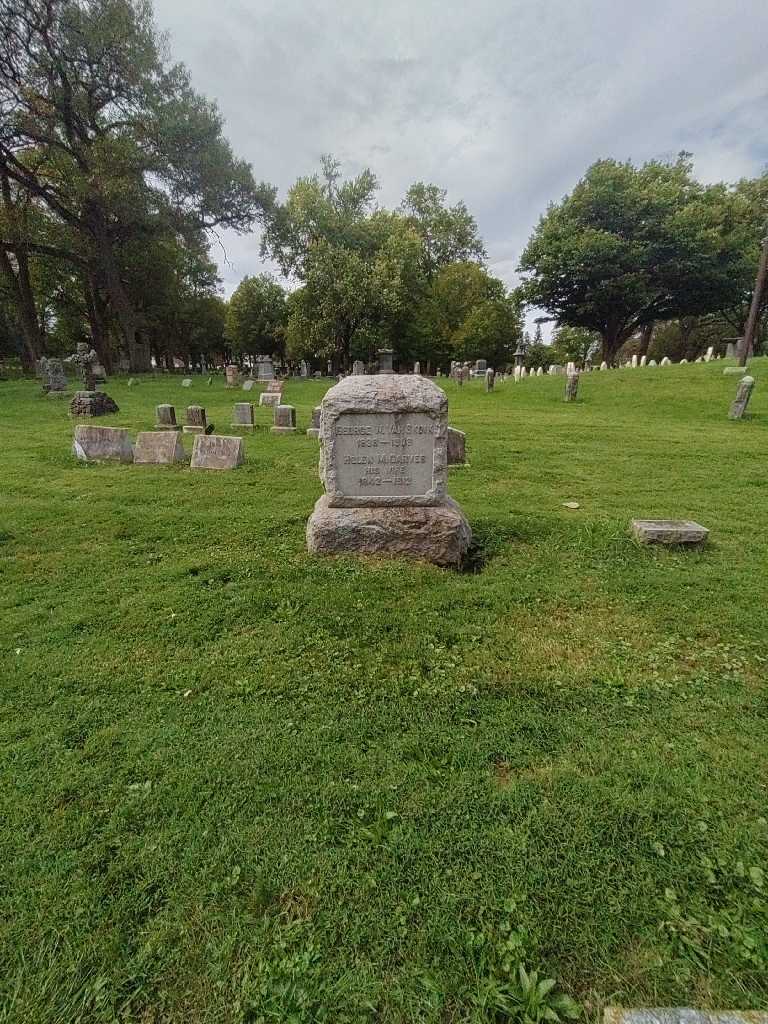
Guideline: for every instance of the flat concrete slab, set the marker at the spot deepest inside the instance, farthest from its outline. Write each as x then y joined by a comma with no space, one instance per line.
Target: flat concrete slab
668,531
681,1015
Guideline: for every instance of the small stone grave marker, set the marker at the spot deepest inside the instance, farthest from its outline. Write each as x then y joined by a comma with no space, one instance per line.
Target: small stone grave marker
741,401
165,418
158,448
217,451
196,421
668,531
242,416
572,386
248,384
314,430
681,1015
187,382
284,420
457,447
102,444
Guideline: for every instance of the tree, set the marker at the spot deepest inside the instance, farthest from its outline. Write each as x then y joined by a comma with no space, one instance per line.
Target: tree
630,246
448,233
115,144
358,265
573,345
468,315
256,317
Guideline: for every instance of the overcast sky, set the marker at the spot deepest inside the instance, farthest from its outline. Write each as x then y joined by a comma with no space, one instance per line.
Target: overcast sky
503,103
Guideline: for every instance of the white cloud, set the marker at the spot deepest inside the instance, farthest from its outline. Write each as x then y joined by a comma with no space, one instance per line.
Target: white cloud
504,104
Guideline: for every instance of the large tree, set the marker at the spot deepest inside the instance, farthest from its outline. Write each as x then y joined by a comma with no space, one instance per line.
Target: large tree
110,139
630,246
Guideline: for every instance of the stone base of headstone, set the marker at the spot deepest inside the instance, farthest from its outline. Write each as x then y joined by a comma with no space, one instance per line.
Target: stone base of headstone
194,428
282,430
737,371
439,533
168,426
92,403
668,531
57,394
270,398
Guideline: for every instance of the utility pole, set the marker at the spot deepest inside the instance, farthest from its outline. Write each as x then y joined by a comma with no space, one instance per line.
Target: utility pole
750,331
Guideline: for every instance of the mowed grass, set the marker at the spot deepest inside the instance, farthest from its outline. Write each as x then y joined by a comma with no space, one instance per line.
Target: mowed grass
243,784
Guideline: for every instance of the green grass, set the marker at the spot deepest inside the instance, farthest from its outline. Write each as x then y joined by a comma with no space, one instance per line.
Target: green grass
243,784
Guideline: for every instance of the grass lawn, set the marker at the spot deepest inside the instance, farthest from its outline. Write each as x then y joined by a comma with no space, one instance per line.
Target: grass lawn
240,784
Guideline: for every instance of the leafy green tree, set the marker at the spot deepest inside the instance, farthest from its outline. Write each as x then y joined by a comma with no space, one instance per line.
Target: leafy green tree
448,233
573,344
116,144
358,266
630,246
256,317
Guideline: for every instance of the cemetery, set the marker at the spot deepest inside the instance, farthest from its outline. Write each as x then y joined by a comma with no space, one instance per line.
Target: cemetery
229,751
383,495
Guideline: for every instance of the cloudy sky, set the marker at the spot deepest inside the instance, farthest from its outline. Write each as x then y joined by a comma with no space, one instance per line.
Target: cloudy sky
503,103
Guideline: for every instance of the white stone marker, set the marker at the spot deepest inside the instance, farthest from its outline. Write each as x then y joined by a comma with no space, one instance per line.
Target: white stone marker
633,361
643,360
490,377
666,361
187,382
102,444
741,401
668,531
603,365
217,451
248,384
158,448
710,353
383,461
572,386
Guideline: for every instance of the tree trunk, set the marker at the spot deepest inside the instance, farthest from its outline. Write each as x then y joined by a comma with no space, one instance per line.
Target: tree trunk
95,313
750,331
646,336
20,288
138,353
612,342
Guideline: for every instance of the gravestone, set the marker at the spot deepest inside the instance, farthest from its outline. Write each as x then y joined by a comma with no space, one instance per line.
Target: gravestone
314,430
358,367
571,387
652,362
217,451
242,416
99,374
603,365
284,420
730,350
489,379
158,448
523,373
417,367
570,368
481,365
456,447
666,361
741,401
232,375
540,371
197,422
710,353
187,382
668,531
132,382
633,361
304,368
683,362
273,394
643,360
383,461
102,444
54,379
248,384
165,418
385,360
734,371
265,368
